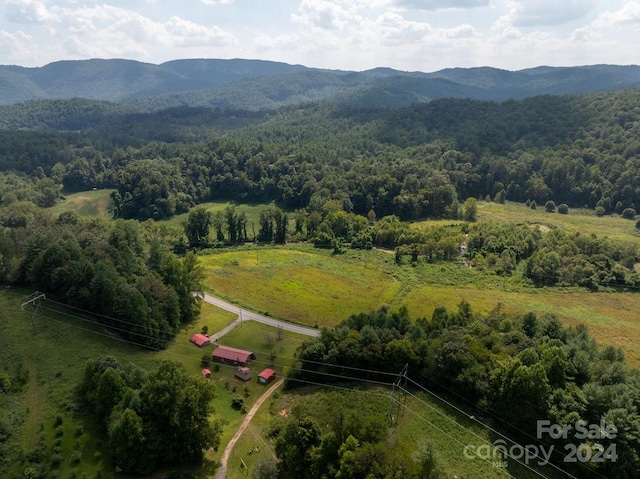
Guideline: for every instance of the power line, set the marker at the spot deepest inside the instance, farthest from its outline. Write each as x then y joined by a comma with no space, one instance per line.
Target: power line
494,416
304,381
167,341
482,424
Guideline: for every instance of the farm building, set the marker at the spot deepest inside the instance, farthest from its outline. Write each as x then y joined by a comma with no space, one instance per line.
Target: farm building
243,373
227,355
200,340
206,373
266,376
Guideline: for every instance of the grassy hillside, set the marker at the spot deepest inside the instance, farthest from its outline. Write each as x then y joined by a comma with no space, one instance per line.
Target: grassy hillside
45,356
425,418
87,204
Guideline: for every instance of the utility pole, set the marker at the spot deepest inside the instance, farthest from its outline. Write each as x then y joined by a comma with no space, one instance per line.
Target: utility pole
400,383
33,298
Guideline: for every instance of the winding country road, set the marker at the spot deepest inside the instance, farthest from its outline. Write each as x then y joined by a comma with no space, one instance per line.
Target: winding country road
246,315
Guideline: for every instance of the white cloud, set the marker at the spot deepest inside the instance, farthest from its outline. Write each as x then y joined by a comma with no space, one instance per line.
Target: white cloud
17,45
547,12
440,4
217,2
109,31
392,28
585,35
461,31
29,11
502,29
326,15
627,14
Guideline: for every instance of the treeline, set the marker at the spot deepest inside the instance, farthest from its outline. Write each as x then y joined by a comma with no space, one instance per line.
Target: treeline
519,369
553,258
161,417
122,270
413,162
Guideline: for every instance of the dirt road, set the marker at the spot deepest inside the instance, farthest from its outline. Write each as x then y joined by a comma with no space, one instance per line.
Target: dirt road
222,471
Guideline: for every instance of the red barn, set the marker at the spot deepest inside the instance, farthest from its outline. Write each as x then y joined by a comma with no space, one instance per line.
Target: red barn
227,355
200,340
266,376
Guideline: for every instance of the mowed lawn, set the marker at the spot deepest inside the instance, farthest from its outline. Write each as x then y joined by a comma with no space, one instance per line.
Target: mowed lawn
305,286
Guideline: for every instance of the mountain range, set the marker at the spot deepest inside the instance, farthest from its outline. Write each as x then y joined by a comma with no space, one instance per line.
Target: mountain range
258,84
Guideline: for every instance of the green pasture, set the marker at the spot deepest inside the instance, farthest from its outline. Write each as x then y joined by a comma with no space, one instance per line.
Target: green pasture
303,285
424,419
314,287
579,220
583,220
87,204
49,351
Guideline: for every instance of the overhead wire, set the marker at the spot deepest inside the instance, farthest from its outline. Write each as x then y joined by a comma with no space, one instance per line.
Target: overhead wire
324,373
494,416
479,422
293,379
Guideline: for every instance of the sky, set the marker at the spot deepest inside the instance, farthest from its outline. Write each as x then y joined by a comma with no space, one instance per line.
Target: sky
408,35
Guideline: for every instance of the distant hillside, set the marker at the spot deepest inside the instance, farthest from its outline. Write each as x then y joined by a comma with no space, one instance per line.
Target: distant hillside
261,85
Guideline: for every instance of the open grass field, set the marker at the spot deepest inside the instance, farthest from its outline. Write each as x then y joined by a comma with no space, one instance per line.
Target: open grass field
314,287
88,204
49,353
583,220
307,286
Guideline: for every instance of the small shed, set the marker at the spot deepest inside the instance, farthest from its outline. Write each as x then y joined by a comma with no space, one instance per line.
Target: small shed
243,373
206,373
228,355
200,340
266,376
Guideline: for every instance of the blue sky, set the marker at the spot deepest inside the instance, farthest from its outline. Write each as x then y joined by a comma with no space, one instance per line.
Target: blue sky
424,35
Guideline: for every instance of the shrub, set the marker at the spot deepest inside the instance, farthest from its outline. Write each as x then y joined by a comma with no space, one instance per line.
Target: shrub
75,458
237,402
56,460
628,213
599,211
563,209
533,205
550,206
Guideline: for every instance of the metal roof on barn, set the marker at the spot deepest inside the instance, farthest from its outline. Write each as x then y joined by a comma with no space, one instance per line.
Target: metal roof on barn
235,355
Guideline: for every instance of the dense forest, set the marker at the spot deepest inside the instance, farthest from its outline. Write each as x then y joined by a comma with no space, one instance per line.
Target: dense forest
414,162
346,176
338,176
509,370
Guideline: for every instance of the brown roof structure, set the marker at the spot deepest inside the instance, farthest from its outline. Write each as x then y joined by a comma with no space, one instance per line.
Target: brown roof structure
226,354
200,340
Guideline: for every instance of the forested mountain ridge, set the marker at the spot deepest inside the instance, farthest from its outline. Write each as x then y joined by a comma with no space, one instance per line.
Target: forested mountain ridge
413,162
257,84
